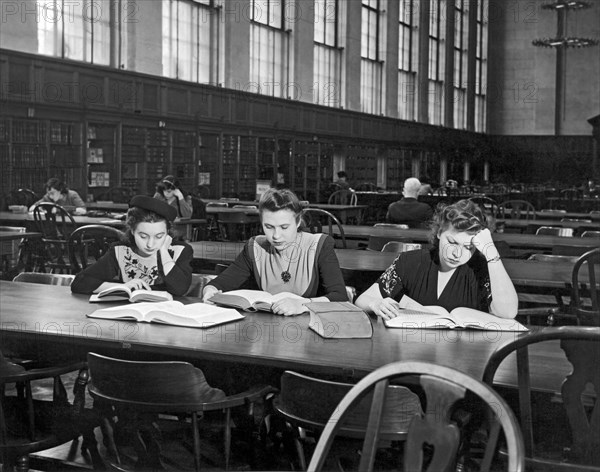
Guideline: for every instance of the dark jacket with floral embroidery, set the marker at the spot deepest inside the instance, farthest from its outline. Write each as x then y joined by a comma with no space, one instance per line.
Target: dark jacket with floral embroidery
121,264
415,273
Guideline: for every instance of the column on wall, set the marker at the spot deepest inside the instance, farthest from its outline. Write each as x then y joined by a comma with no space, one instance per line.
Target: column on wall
466,172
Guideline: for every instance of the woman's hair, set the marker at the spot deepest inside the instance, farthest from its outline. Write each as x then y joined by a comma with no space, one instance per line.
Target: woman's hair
137,215
282,199
57,184
463,215
168,182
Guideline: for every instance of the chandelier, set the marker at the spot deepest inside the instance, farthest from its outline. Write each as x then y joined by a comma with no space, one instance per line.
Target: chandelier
561,40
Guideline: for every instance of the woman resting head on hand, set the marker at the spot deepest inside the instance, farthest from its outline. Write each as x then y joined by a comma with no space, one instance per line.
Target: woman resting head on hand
284,259
462,269
147,258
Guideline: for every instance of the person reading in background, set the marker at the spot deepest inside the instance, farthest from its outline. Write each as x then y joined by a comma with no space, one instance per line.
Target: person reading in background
462,269
58,192
342,180
284,259
168,190
147,258
409,210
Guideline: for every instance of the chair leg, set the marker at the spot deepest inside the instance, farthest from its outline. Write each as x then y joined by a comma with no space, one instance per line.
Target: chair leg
227,439
196,441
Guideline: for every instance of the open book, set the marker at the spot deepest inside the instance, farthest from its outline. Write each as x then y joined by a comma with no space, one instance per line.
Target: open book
415,315
195,315
122,292
250,300
339,320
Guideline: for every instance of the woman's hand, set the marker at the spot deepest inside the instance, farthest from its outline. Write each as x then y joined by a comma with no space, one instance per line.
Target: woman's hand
387,308
166,243
177,193
484,243
290,306
208,292
138,284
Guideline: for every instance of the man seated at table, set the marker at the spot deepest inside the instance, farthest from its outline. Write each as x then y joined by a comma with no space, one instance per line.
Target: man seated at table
408,210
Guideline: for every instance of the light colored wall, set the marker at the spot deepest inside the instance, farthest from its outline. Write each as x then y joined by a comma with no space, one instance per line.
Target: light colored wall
18,26
521,84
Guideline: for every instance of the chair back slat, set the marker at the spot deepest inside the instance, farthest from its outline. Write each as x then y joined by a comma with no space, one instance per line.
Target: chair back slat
314,220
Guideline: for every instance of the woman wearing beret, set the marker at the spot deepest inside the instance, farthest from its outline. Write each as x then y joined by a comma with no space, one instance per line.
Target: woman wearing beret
147,258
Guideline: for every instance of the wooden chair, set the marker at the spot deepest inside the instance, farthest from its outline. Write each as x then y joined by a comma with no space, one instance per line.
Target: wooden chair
488,205
212,228
29,423
237,226
400,246
44,278
135,391
559,433
584,306
555,231
56,224
590,234
315,218
517,210
22,196
342,197
306,404
199,281
89,243
437,427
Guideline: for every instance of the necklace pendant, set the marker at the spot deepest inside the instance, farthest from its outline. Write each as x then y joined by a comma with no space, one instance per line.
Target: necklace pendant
286,276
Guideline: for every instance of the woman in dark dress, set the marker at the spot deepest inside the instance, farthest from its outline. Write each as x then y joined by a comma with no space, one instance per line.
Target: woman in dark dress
284,259
462,269
148,259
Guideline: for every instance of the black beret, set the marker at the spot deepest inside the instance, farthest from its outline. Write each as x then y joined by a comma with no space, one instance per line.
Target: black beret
155,205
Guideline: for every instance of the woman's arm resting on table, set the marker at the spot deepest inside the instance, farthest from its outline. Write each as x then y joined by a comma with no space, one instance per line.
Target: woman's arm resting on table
371,301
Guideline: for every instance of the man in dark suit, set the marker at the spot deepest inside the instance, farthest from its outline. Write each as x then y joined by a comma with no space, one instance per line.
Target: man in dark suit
409,210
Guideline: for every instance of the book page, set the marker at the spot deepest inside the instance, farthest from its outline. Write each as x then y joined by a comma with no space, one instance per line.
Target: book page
198,315
118,290
138,311
150,296
471,318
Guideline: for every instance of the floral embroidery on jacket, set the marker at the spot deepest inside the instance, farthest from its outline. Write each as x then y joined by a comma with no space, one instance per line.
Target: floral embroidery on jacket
135,268
390,278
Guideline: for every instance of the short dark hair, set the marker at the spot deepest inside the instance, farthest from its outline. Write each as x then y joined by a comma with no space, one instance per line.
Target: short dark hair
280,199
58,185
341,174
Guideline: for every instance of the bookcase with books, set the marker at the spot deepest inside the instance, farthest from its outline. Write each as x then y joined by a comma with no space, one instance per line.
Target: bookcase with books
361,164
65,155
102,163
209,161
158,156
313,164
184,166
133,166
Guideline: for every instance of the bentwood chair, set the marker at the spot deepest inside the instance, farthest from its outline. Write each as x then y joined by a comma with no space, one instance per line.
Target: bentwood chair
89,243
135,392
342,197
462,418
30,423
56,224
584,306
306,403
315,219
562,430
517,210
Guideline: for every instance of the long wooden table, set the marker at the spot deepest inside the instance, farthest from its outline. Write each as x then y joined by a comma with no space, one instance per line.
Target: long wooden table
536,274
515,241
183,225
37,319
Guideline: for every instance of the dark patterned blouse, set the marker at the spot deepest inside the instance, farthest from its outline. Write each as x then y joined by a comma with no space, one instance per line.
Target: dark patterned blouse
415,273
